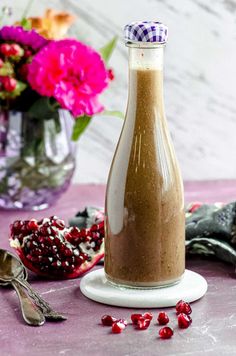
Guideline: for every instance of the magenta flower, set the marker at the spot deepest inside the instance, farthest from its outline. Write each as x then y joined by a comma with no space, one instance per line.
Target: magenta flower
71,72
25,38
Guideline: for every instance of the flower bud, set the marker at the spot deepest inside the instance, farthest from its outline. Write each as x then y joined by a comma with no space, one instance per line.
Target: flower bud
9,84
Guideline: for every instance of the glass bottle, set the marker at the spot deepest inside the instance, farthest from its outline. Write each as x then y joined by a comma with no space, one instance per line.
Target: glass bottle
145,220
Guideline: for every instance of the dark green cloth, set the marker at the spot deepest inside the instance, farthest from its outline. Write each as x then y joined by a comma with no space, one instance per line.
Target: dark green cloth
210,230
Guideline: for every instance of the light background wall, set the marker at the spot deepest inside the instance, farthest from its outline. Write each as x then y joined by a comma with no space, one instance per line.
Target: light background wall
200,79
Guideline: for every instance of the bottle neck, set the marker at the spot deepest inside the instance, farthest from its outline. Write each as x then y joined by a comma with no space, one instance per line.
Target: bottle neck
146,79
146,57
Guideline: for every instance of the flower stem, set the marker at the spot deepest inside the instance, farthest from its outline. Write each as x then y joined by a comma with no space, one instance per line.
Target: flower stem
53,105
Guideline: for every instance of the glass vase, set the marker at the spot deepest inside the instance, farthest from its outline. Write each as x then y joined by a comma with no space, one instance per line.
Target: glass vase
37,159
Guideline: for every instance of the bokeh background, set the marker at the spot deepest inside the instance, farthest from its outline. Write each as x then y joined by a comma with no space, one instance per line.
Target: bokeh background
200,79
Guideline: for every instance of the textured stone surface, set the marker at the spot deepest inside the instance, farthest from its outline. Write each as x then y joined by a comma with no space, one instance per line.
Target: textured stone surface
199,80
214,318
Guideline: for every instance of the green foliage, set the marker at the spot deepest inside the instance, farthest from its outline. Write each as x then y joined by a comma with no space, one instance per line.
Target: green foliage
82,122
25,23
43,109
114,113
6,69
80,125
20,86
107,50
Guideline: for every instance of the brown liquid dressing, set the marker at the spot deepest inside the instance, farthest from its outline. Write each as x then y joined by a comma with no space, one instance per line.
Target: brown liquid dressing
145,226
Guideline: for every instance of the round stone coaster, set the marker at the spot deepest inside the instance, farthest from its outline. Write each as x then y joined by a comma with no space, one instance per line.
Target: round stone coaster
96,287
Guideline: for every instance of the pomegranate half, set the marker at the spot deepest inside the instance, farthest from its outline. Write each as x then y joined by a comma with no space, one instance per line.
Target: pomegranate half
49,248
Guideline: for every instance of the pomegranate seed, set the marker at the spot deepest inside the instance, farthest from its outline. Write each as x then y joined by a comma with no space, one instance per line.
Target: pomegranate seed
1,63
32,225
135,318
142,323
60,224
123,321
148,316
94,227
163,318
166,332
9,83
108,320
117,327
17,226
184,321
183,307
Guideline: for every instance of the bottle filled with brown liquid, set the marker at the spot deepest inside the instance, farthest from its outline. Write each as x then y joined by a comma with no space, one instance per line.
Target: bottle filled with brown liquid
145,220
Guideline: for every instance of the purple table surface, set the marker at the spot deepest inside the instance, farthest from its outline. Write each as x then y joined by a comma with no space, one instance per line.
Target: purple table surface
214,316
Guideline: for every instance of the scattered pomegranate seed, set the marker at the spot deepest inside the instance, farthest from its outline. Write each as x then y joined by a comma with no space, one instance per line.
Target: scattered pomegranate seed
166,332
1,63
32,225
163,318
135,318
183,307
148,316
184,321
108,320
142,323
123,321
117,327
195,206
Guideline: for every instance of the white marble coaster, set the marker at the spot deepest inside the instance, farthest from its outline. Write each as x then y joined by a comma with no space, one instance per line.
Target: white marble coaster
96,287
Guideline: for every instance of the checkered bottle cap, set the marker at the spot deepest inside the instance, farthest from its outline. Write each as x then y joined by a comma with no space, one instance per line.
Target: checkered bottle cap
146,31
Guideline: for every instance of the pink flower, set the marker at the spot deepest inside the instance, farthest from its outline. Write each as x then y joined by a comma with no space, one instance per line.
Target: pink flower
23,37
71,72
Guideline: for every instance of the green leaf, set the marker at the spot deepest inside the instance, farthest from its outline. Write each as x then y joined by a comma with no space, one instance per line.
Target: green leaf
42,109
26,24
6,69
20,86
107,50
113,113
80,125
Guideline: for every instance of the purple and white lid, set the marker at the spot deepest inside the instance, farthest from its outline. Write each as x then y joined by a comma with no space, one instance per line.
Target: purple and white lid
146,31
